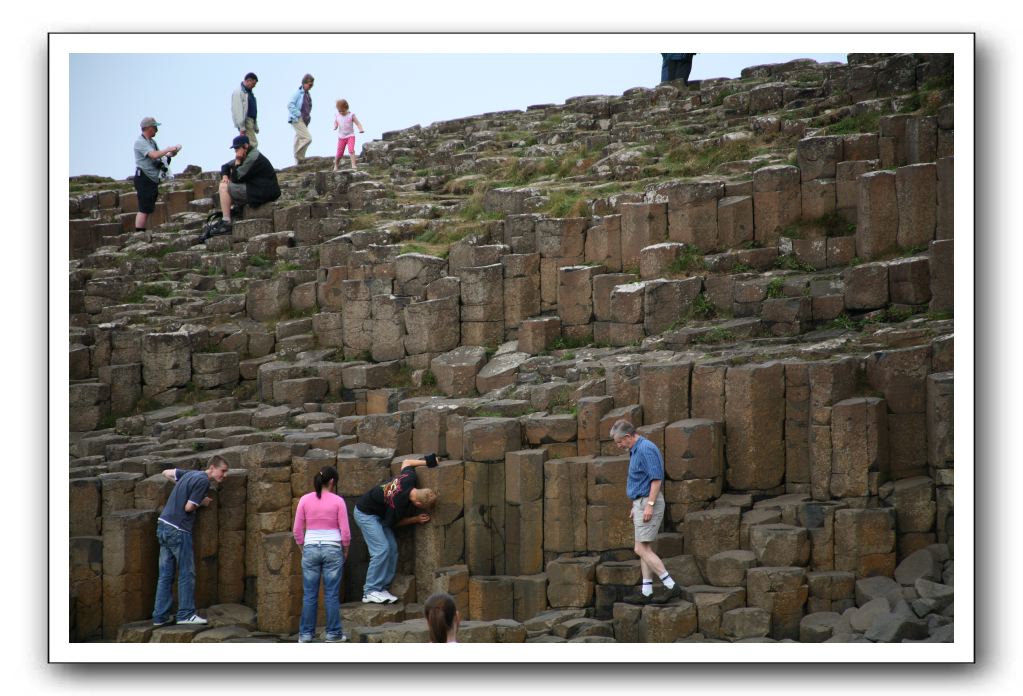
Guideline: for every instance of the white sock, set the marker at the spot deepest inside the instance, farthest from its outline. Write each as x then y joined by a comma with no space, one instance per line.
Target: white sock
647,588
667,580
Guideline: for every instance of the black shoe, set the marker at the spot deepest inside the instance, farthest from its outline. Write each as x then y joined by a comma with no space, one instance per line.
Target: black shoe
637,597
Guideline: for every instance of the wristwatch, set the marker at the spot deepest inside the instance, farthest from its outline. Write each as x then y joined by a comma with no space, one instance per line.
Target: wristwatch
649,502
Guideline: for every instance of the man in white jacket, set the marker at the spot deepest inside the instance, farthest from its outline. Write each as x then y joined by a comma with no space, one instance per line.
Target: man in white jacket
243,108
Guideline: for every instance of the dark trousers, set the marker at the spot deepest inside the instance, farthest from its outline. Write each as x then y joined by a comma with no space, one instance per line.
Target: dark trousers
676,69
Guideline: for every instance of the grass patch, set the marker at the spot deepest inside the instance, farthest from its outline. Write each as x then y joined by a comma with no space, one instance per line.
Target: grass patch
362,222
832,224
691,259
789,262
714,336
258,261
845,323
566,203
568,343
859,123
703,308
138,294
775,288
682,158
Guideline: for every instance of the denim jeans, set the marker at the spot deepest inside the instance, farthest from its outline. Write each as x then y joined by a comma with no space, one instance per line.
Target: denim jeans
383,552
327,561
175,554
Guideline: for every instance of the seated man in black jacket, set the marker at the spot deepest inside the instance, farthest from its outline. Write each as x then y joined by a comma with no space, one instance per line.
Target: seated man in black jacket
248,179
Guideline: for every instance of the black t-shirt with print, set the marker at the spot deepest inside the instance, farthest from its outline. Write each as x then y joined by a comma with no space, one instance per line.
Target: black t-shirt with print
390,501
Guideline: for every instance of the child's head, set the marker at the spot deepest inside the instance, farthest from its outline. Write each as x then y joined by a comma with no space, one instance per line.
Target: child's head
442,617
342,105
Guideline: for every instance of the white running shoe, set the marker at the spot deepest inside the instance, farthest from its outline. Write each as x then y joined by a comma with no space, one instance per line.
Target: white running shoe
193,620
374,597
391,599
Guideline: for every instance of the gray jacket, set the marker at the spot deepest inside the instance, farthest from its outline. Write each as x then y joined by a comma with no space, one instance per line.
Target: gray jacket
240,107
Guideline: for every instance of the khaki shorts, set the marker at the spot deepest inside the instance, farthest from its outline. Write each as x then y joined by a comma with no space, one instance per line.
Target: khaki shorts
647,531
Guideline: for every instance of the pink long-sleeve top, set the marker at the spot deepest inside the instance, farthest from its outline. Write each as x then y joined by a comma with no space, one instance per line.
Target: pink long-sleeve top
322,519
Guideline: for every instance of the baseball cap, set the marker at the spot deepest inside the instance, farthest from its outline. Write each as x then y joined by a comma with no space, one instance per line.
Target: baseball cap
149,121
238,141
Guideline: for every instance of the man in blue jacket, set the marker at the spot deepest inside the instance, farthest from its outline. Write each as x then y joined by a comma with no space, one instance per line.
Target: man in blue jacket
299,113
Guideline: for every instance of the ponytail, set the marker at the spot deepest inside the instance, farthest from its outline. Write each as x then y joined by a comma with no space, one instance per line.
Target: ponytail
327,473
440,611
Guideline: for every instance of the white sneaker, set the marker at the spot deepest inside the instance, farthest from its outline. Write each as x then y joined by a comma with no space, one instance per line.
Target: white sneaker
391,599
374,597
193,620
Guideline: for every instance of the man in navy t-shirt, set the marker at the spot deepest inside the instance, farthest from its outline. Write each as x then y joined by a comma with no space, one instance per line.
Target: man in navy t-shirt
174,532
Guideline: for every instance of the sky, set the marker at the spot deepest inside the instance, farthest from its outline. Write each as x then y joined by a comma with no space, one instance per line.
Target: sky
189,94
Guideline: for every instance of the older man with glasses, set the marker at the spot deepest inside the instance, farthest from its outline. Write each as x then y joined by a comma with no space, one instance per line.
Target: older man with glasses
643,486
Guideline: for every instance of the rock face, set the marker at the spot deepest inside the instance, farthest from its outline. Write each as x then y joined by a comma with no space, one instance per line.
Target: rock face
778,327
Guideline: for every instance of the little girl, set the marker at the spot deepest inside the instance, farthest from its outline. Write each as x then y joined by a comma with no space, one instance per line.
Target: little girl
345,133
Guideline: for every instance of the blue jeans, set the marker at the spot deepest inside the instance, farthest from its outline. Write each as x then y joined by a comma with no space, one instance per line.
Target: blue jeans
175,554
383,552
327,561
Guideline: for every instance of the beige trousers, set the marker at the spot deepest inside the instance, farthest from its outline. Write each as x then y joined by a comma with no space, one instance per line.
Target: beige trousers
302,140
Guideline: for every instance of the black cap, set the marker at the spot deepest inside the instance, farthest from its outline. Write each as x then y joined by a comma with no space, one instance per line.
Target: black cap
238,141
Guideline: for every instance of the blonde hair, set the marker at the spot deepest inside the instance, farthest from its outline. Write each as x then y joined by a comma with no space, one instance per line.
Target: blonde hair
440,612
427,496
342,105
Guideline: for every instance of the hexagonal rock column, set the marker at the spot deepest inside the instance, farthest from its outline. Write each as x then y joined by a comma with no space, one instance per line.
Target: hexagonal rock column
865,542
501,371
524,492
279,584
877,215
693,212
859,440
642,224
564,505
782,591
521,289
456,370
754,424
130,556
575,300
482,294
916,191
571,581
776,201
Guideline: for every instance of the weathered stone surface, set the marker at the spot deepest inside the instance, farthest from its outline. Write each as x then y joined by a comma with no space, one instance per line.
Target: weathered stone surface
501,371
859,434
488,439
878,215
728,568
456,370
780,544
754,423
776,201
432,326
746,622
709,532
664,391
564,505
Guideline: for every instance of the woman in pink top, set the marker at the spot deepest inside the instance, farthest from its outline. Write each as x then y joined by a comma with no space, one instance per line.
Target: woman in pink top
345,133
321,529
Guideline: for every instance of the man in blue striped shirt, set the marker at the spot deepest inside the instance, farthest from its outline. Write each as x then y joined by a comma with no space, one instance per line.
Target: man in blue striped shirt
646,475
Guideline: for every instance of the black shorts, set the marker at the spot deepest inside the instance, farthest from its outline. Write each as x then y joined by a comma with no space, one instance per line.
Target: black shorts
146,189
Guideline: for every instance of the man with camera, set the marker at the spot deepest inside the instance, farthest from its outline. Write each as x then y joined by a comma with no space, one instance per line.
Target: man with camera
150,167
